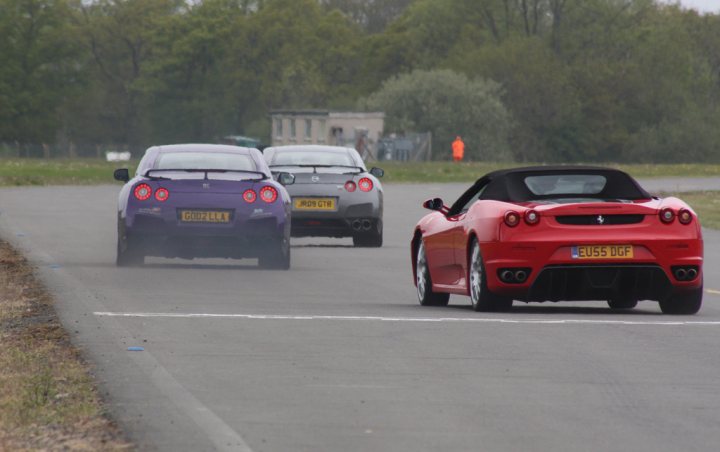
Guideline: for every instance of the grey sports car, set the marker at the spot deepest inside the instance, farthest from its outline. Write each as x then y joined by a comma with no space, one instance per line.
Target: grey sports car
334,195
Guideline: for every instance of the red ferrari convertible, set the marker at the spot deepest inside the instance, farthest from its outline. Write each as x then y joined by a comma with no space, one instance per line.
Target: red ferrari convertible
559,233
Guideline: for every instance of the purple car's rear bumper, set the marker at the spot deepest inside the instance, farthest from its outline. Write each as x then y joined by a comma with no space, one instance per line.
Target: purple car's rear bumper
159,231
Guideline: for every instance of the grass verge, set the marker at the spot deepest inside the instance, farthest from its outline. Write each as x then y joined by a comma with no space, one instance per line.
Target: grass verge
48,400
705,203
14,171
470,171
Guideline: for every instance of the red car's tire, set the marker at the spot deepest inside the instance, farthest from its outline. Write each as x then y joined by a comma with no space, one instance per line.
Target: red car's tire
622,303
480,296
684,303
426,296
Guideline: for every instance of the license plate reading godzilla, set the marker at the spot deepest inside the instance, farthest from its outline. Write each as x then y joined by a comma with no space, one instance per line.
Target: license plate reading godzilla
204,216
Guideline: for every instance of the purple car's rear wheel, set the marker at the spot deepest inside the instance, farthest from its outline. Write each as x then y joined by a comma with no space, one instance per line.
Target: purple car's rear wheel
276,256
128,252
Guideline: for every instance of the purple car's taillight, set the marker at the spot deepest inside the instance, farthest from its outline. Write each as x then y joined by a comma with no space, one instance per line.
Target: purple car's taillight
161,194
143,192
249,196
268,194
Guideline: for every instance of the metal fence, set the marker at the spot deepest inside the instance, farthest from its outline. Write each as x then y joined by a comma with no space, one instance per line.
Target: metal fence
409,147
43,150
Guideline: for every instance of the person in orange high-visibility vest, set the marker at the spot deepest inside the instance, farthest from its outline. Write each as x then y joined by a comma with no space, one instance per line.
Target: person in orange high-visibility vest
458,149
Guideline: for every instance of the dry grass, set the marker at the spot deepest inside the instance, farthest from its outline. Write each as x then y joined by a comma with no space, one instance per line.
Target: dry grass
48,400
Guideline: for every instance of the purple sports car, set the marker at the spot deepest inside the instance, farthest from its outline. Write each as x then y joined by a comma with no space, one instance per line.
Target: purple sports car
204,200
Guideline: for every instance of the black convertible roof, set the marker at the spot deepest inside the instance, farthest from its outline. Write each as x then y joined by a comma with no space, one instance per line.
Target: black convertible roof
509,184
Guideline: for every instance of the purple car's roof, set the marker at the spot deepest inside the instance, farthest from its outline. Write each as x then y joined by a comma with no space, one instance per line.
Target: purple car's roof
210,148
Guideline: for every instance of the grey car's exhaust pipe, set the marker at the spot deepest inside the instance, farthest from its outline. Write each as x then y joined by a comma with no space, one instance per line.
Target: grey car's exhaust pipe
356,225
366,225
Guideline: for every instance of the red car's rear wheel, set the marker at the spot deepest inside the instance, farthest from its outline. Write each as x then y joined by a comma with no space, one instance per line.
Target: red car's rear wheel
685,303
426,296
480,296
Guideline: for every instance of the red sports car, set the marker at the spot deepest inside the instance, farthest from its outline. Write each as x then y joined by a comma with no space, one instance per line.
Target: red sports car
559,233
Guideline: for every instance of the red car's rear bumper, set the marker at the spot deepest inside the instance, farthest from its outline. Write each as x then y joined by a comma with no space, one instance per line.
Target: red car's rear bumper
554,274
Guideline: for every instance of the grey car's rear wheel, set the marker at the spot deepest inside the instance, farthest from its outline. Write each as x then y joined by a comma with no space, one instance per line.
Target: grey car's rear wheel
276,256
684,303
480,296
426,296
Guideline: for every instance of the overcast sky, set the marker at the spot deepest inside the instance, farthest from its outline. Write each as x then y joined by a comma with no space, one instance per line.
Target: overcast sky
705,6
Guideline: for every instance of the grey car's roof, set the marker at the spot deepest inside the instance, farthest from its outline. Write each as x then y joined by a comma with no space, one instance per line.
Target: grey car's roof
311,147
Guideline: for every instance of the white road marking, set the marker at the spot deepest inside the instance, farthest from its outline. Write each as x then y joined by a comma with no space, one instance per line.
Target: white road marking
408,319
713,291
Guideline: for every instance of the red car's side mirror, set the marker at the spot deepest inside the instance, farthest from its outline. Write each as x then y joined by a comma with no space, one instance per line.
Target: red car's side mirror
434,204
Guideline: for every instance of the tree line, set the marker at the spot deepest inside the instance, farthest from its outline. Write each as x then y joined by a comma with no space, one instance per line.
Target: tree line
523,80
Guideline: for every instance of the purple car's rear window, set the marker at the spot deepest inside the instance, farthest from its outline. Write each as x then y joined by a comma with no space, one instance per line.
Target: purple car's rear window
312,158
205,160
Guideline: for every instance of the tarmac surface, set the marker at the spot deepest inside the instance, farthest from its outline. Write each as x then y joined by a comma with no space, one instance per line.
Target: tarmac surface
336,354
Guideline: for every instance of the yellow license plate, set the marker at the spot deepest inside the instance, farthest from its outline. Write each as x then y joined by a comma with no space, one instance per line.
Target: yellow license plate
204,216
602,252
314,203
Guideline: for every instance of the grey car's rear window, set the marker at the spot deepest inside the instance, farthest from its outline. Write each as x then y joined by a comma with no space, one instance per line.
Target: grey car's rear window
205,160
341,158
566,184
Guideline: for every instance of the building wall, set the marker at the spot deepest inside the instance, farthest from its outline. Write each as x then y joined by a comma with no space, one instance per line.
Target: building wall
320,128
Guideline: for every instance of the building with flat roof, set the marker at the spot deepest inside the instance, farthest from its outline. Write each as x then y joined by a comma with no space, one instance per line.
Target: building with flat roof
354,129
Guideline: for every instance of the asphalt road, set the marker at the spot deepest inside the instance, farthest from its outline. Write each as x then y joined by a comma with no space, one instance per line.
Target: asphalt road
336,354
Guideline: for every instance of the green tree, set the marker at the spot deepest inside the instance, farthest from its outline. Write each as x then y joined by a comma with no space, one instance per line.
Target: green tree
37,72
447,104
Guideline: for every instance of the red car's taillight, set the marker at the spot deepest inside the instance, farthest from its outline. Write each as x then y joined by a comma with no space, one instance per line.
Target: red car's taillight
512,218
684,216
350,186
249,196
667,215
143,192
365,184
268,194
532,217
161,194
